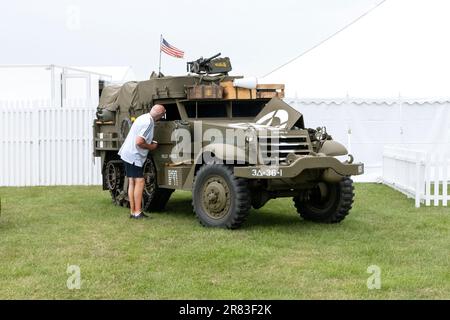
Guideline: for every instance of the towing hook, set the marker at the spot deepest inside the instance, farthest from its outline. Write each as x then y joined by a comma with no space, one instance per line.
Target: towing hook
350,159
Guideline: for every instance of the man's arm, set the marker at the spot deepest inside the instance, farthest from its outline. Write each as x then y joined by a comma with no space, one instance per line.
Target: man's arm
140,142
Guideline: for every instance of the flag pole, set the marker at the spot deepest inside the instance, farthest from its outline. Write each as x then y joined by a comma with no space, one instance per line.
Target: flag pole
160,41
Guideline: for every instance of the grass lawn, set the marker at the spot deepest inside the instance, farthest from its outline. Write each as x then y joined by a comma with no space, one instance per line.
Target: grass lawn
276,255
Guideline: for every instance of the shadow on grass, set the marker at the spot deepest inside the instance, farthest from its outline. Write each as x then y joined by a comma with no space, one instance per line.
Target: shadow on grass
263,218
5,224
182,207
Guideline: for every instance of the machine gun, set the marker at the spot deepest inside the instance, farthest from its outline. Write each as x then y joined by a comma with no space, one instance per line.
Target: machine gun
211,65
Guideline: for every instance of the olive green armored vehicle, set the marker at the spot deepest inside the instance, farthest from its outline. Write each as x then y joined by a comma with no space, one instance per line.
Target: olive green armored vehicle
232,142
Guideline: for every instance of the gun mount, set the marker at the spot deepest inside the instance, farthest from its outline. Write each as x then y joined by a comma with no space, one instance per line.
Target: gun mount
211,65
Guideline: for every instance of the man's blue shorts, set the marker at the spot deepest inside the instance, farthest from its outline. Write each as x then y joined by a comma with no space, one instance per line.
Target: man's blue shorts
133,171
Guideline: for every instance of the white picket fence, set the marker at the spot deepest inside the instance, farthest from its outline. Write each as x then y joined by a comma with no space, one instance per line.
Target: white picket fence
42,145
418,174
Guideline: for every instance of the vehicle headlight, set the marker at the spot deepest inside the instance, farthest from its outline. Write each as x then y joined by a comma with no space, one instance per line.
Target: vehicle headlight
321,133
250,135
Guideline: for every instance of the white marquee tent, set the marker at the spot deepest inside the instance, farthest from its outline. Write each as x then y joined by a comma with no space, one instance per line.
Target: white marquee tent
382,81
400,47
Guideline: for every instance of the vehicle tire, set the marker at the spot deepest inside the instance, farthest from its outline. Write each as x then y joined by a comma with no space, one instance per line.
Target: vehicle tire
219,198
114,175
154,198
327,202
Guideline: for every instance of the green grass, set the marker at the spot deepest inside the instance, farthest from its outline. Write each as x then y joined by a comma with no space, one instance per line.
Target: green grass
275,255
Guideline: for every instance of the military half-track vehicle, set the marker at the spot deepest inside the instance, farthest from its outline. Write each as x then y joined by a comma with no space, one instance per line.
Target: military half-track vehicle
232,142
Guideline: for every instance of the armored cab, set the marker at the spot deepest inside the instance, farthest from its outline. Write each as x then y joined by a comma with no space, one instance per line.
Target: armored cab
232,142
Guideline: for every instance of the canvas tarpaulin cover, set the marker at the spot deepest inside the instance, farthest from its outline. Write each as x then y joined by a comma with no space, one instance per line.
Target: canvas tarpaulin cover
140,95
108,99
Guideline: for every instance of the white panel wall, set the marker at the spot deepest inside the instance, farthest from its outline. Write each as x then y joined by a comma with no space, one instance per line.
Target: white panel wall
41,145
366,127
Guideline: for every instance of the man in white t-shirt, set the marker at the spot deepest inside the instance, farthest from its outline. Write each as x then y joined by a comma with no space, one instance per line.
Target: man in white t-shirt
134,153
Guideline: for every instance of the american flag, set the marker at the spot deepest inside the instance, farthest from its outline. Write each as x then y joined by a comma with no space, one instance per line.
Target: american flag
171,50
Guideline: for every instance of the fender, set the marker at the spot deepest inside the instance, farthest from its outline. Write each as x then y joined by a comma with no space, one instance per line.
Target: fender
224,152
333,148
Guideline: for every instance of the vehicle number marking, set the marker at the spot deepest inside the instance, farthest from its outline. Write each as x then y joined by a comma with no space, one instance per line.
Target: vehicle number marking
267,172
172,177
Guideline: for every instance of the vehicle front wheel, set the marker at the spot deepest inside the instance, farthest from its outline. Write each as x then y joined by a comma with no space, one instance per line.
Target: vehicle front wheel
327,202
219,198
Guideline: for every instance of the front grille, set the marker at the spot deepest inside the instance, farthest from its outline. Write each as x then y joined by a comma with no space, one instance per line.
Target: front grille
273,147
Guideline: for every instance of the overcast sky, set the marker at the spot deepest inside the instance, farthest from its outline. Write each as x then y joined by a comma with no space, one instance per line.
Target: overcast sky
257,35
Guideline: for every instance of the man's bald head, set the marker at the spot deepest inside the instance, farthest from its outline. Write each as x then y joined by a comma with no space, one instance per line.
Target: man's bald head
157,112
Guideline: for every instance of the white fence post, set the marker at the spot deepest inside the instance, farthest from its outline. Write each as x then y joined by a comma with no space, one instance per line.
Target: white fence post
418,181
445,178
436,185
428,180
35,146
